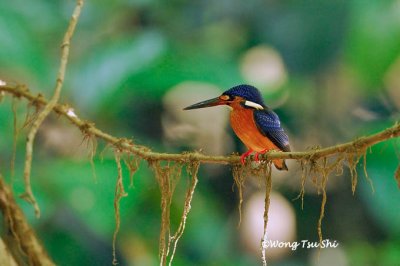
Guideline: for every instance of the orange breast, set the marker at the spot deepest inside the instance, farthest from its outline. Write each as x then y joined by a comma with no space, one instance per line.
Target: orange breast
242,122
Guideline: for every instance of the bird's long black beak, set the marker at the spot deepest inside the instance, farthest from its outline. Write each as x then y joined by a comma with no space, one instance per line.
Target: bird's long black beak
204,104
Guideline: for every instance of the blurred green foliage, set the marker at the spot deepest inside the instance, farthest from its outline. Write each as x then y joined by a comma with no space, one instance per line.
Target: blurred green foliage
127,54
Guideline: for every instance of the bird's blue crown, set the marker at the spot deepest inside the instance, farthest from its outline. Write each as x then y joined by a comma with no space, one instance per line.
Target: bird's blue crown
247,92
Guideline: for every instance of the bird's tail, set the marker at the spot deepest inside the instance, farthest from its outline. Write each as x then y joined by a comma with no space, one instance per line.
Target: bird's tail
280,164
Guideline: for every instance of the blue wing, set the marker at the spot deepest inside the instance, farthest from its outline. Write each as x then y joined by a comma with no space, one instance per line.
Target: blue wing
270,126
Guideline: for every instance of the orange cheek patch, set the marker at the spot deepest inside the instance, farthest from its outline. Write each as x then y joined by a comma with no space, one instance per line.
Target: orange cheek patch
224,97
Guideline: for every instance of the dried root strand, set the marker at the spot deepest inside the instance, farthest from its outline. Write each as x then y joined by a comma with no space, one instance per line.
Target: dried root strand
239,177
268,186
119,194
91,146
366,172
132,162
192,170
313,172
324,174
167,178
303,182
339,166
352,160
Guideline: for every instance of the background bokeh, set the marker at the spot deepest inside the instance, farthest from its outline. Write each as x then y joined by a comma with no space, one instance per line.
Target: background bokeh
330,69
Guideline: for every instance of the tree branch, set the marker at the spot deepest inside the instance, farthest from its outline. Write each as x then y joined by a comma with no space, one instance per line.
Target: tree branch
356,146
28,194
6,258
22,233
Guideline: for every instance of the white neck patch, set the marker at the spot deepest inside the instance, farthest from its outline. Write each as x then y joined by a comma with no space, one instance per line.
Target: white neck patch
254,105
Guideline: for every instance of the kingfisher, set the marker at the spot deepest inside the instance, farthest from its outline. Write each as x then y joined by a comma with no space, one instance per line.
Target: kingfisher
256,125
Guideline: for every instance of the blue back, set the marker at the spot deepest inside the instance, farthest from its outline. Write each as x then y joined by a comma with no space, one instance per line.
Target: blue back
269,125
248,92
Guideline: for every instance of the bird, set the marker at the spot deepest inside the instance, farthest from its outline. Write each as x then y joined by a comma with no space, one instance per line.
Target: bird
254,123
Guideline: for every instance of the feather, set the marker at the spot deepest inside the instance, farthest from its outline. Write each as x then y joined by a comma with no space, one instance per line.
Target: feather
269,125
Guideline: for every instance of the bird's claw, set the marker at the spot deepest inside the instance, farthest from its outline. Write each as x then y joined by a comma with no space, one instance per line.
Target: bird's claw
244,156
258,154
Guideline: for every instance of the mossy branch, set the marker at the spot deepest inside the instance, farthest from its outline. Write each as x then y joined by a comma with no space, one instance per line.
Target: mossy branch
356,146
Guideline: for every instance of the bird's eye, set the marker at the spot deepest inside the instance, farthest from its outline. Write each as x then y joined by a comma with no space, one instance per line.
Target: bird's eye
225,97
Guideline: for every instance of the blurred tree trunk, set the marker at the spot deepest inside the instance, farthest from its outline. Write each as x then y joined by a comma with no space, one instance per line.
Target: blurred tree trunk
6,259
21,240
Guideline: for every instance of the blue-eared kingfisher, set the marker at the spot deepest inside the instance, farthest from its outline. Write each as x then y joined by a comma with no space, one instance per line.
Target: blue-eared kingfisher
256,125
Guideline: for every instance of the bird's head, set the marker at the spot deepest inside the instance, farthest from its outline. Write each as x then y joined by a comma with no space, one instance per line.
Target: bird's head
245,95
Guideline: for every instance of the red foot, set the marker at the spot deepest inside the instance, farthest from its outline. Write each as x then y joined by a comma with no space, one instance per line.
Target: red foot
258,154
245,155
